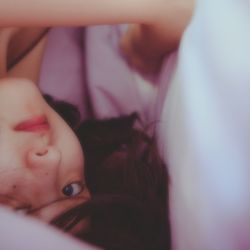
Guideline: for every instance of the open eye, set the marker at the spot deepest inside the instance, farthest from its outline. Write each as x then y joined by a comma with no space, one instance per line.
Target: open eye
72,189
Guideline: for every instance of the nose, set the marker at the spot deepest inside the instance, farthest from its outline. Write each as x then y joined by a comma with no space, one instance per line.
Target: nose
29,167
33,179
43,163
43,157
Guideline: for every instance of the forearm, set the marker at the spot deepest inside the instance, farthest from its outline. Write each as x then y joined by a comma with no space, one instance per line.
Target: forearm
73,12
87,12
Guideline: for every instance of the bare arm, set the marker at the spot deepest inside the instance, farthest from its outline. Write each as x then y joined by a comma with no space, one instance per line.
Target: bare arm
145,45
87,12
163,21
73,12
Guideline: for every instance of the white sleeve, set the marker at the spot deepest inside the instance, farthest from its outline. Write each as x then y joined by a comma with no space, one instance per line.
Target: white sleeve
207,130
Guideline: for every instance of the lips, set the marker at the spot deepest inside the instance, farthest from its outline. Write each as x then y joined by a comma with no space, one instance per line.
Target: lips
35,124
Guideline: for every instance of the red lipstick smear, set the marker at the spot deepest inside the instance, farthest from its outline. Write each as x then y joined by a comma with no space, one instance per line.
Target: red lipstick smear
35,124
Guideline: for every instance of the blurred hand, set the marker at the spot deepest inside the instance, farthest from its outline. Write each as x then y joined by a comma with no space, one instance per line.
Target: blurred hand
139,51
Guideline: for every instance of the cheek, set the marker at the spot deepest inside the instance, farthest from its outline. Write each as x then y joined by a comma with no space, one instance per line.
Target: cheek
72,156
10,182
72,159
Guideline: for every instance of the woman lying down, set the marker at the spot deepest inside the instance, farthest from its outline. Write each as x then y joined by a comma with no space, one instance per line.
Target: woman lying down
103,180
119,202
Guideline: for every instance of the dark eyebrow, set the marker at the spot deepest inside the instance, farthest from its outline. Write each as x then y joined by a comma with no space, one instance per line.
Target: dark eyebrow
45,205
53,202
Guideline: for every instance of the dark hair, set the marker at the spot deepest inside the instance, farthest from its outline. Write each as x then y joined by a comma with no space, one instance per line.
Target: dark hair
127,180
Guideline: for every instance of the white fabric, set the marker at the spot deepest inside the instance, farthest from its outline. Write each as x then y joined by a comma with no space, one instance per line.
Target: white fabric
115,88
21,233
206,134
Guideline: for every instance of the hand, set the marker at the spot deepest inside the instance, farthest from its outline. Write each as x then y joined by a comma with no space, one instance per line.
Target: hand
145,45
138,50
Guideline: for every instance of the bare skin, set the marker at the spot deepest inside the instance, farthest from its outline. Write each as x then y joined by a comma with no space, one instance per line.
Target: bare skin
145,45
160,23
160,26
21,52
158,30
41,160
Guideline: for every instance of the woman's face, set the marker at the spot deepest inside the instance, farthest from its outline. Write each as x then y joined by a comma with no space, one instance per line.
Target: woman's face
41,160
